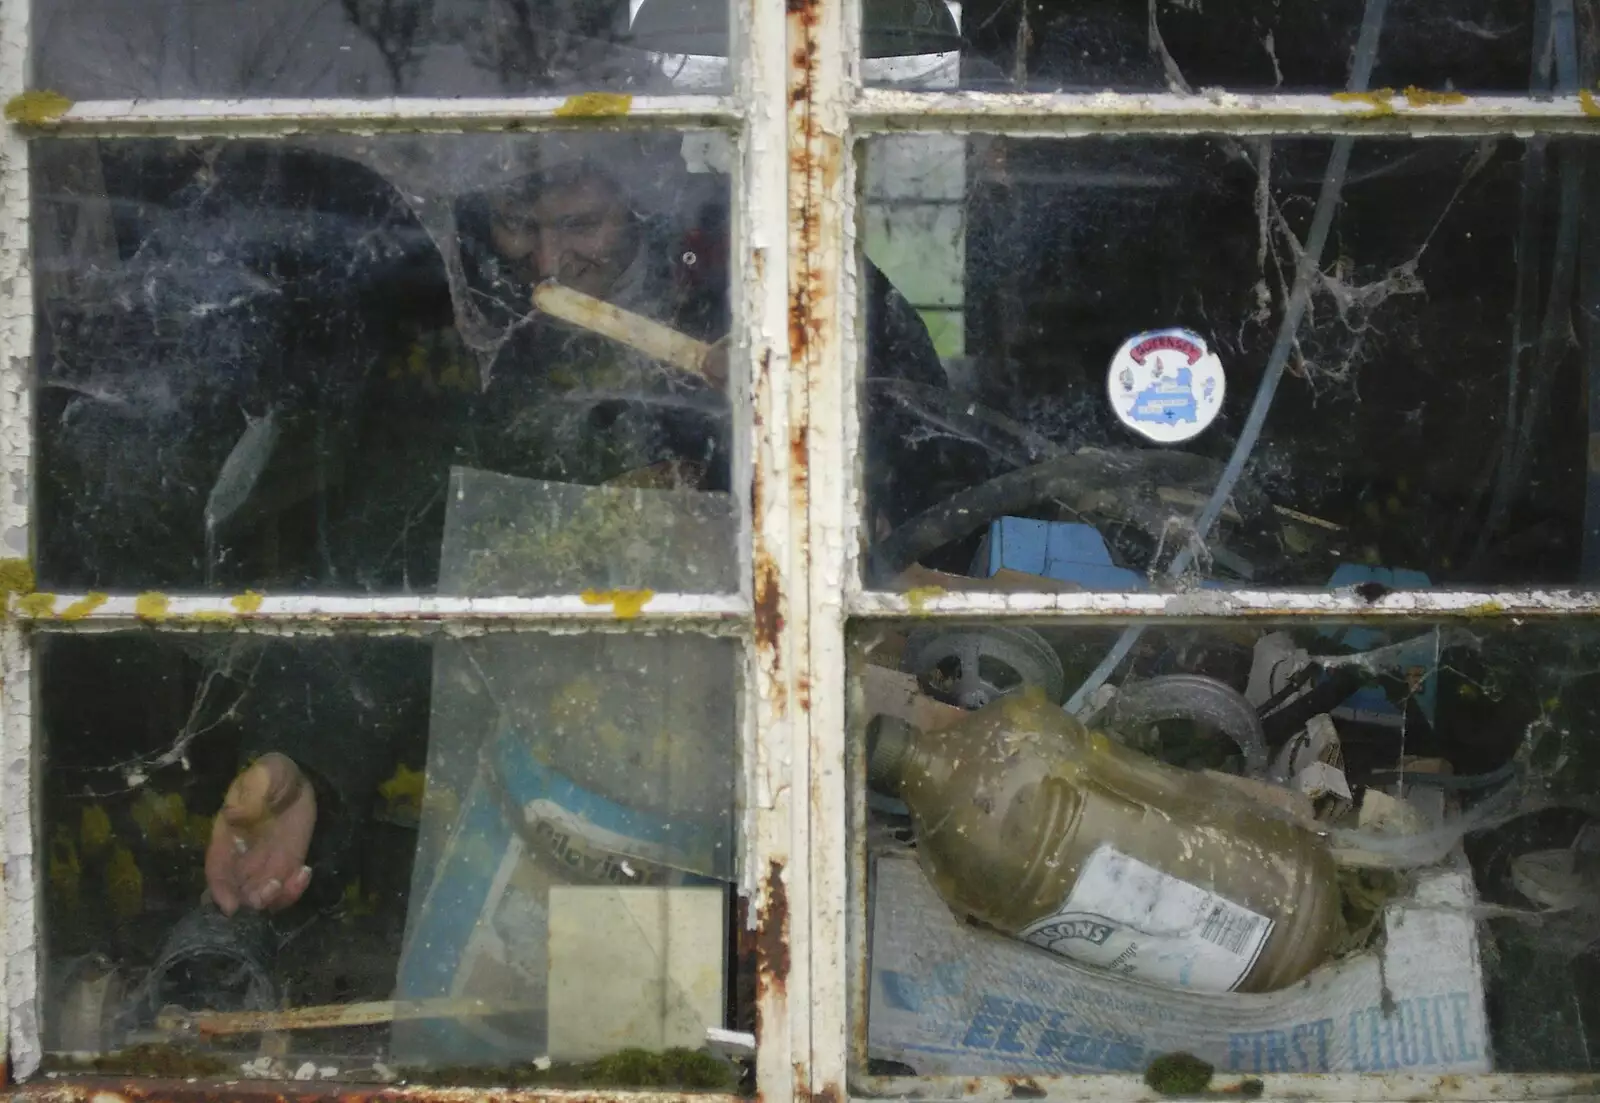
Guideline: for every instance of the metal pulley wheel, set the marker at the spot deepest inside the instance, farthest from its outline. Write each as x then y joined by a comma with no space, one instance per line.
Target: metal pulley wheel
971,666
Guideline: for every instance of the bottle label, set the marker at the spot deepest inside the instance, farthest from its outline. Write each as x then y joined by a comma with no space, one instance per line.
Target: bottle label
1134,920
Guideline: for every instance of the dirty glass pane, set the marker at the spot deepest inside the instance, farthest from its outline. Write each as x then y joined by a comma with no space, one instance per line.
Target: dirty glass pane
1277,848
518,854
185,49
1105,313
1421,46
260,363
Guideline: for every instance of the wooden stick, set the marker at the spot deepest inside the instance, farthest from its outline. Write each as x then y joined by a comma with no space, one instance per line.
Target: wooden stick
327,1016
890,693
655,340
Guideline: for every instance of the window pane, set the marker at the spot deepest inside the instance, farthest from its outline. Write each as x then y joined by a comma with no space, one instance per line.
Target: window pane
311,365
1108,310
1254,46
183,49
535,857
1288,849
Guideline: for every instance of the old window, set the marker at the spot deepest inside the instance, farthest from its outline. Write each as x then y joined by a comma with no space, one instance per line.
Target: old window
899,548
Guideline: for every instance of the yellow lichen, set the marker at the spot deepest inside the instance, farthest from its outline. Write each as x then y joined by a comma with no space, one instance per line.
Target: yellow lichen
210,616
247,602
917,597
1378,100
85,605
589,105
37,605
151,606
1587,101
1421,97
37,107
626,604
124,883
1484,609
94,829
16,577
402,793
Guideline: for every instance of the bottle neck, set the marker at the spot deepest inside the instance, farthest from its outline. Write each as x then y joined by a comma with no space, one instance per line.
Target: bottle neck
889,749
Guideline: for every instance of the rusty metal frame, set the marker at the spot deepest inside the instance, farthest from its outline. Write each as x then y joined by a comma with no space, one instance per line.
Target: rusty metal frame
773,733
94,611
826,34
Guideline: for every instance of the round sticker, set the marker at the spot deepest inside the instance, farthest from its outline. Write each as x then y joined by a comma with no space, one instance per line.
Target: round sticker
1166,385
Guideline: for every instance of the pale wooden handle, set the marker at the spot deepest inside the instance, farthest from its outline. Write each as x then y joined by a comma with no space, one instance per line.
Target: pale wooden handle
890,693
655,340
327,1016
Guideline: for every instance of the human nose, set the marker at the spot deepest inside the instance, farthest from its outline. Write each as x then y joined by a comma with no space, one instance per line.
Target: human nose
552,257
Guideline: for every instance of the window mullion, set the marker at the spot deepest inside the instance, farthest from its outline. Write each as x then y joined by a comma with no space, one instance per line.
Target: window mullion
823,48
19,1012
773,878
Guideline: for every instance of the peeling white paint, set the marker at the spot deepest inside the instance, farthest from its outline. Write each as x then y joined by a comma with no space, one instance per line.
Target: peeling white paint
317,610
1509,604
282,117
1078,114
19,1012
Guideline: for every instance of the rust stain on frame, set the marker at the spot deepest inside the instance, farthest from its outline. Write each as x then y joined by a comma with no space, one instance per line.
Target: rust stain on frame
772,933
767,584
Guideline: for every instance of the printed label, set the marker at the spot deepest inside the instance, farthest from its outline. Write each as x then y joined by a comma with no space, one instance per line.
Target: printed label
1167,386
1134,920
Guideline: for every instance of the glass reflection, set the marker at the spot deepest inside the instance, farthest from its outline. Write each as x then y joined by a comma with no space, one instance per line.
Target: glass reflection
1107,309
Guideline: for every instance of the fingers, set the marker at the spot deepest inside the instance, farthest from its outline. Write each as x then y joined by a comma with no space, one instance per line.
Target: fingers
246,800
274,893
272,783
256,856
220,858
264,894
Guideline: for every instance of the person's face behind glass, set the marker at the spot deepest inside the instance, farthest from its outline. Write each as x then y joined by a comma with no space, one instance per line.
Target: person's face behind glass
574,228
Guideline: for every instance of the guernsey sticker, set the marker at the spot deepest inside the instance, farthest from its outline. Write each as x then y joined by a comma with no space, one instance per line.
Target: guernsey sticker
1166,385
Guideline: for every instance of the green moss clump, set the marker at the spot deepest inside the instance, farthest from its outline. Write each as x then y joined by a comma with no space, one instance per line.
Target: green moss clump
37,107
165,1062
681,1069
1179,1074
16,577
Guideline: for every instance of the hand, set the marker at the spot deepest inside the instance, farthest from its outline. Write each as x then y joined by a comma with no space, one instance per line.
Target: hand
259,840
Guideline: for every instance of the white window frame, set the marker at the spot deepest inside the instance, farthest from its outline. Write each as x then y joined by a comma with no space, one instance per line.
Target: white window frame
797,111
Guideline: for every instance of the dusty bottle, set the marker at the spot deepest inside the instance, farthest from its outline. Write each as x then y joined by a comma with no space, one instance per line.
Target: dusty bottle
1031,824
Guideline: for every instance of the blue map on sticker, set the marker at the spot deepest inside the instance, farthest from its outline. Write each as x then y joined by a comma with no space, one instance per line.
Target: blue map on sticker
1167,401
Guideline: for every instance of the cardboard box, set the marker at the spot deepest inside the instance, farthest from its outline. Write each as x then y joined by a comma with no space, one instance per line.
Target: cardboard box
948,998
